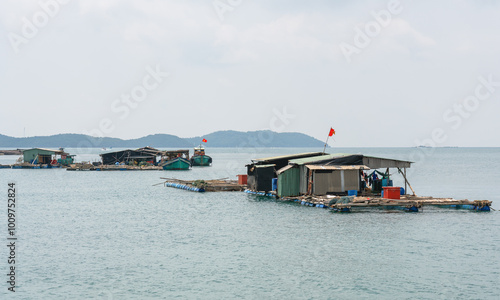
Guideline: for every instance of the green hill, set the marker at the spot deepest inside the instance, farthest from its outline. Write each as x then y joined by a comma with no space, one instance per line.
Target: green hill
265,138
229,138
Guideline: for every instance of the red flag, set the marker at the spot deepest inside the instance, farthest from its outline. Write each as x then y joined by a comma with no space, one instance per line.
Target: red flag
204,140
332,132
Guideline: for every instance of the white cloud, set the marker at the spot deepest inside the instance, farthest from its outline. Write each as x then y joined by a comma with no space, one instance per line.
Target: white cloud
262,55
402,28
98,6
290,38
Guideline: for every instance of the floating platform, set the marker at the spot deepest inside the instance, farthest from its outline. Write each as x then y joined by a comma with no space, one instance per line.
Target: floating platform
215,185
407,203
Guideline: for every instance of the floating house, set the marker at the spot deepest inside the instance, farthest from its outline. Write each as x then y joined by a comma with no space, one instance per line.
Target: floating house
140,156
262,170
317,179
317,173
128,156
47,156
333,174
260,177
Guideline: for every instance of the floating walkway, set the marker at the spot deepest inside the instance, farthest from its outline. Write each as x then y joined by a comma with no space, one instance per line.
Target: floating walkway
214,185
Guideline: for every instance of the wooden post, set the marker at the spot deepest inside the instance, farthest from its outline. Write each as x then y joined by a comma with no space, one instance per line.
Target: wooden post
309,185
406,181
406,188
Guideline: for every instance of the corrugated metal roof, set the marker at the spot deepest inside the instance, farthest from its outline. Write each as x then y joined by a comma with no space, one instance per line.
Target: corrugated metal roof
45,149
380,162
290,156
284,169
319,167
303,161
371,161
116,151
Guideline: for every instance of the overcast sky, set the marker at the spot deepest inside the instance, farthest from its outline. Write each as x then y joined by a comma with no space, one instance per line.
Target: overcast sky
381,73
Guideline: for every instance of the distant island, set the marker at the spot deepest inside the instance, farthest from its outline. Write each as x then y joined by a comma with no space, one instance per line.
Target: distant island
228,138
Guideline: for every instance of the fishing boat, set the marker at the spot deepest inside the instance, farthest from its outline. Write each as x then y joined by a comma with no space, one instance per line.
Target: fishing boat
178,163
199,158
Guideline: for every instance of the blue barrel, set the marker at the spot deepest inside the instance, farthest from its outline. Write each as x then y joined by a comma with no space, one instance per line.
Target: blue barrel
413,209
402,191
386,182
352,193
275,184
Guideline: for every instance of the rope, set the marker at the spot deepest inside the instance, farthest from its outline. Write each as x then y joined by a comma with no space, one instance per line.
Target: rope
385,175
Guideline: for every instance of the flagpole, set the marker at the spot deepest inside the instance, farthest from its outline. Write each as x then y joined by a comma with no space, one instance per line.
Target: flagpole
330,133
326,143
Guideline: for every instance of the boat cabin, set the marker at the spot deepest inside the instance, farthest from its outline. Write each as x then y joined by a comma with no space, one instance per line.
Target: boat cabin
199,150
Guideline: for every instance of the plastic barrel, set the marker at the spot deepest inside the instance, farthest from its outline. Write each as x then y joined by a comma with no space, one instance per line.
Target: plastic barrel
275,184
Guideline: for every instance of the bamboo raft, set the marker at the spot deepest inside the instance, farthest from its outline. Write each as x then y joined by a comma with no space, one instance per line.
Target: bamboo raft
214,185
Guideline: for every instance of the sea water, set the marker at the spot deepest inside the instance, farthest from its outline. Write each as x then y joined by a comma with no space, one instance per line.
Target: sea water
117,235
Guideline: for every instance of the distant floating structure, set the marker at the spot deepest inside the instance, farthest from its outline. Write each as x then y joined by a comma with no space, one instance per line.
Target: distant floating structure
42,158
